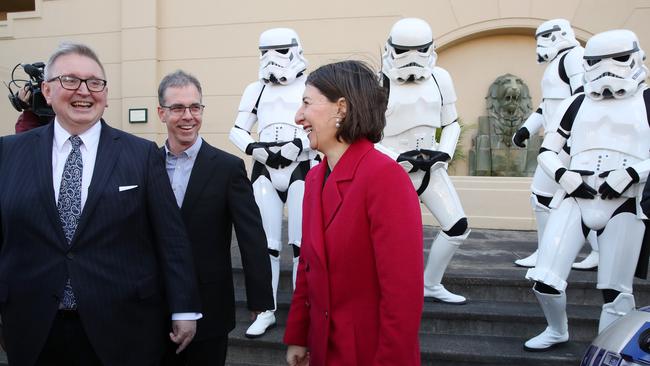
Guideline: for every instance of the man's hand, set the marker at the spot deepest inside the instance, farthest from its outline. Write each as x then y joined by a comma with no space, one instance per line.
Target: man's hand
297,356
520,136
182,333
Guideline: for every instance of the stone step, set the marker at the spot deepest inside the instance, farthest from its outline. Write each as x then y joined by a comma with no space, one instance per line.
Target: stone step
436,349
507,285
504,319
501,314
483,269
510,285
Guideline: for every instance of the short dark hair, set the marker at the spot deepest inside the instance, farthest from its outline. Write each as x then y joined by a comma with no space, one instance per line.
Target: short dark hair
366,100
177,79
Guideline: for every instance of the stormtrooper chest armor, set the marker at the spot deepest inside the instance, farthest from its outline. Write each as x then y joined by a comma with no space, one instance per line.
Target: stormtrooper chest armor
619,127
412,105
276,112
553,87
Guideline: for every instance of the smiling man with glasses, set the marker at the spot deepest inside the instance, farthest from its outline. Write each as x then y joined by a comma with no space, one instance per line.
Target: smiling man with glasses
213,194
95,260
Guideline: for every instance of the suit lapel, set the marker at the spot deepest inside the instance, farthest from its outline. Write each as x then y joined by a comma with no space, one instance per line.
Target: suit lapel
44,176
344,171
204,158
108,152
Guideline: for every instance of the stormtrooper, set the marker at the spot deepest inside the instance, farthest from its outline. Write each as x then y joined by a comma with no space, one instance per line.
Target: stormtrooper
563,77
281,157
601,186
421,101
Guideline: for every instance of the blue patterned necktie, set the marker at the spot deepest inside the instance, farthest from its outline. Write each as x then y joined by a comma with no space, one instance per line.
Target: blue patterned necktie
69,207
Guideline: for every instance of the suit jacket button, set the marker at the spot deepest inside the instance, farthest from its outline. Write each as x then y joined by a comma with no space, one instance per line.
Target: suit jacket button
70,255
326,314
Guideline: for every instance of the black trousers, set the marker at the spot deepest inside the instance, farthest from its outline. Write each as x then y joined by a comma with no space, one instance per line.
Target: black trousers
206,352
67,344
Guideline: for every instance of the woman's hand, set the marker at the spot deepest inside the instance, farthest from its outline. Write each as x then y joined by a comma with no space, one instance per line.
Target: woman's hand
297,356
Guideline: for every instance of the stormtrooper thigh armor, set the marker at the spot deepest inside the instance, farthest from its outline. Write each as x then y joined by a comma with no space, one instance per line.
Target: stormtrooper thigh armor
620,242
271,207
441,199
553,266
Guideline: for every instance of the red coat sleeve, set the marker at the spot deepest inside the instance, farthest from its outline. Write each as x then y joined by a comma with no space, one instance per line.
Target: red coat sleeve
396,234
298,320
297,327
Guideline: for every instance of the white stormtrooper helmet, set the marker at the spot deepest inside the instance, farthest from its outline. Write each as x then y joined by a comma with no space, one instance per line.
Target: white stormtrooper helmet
552,37
613,63
281,56
409,52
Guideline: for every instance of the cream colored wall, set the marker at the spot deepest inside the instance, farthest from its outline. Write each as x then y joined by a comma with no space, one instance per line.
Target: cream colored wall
141,41
496,55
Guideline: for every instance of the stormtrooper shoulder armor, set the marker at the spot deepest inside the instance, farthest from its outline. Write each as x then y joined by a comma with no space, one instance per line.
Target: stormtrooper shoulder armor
573,61
574,69
445,84
251,97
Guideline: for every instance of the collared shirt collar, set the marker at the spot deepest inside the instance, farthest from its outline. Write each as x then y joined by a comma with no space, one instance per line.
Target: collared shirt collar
191,151
90,137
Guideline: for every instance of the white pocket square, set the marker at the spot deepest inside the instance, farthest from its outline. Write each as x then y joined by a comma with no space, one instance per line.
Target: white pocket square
126,188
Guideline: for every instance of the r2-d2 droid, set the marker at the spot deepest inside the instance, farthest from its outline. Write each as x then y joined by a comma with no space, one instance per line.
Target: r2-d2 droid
422,100
282,156
563,77
601,186
625,342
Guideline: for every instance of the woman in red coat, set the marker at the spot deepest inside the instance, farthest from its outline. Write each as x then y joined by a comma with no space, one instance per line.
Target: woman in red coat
358,297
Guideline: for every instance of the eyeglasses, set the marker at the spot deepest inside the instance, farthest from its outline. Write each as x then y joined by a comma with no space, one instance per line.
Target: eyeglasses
69,82
179,109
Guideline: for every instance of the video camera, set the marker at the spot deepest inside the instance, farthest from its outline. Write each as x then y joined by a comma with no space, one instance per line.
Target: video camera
37,103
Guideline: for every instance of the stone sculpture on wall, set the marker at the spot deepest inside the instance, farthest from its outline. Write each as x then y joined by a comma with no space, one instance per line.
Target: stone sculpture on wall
508,105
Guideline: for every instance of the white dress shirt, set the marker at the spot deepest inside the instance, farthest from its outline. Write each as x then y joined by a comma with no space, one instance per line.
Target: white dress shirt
61,149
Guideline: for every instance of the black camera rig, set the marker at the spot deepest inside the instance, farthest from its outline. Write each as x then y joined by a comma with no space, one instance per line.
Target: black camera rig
36,103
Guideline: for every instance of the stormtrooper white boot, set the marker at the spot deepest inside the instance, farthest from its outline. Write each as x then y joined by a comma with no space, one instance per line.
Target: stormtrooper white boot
266,320
442,250
528,262
541,218
612,311
557,331
591,261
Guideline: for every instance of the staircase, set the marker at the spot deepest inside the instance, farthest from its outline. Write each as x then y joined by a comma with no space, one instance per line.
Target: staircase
501,313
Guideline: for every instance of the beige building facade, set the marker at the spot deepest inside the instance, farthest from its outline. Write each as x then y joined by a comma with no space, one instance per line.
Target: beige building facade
140,41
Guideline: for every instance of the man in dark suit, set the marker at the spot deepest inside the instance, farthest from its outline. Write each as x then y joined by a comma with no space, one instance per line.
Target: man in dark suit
94,256
213,192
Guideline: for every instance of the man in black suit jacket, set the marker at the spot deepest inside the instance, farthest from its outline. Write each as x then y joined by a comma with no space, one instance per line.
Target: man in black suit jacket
97,289
213,192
